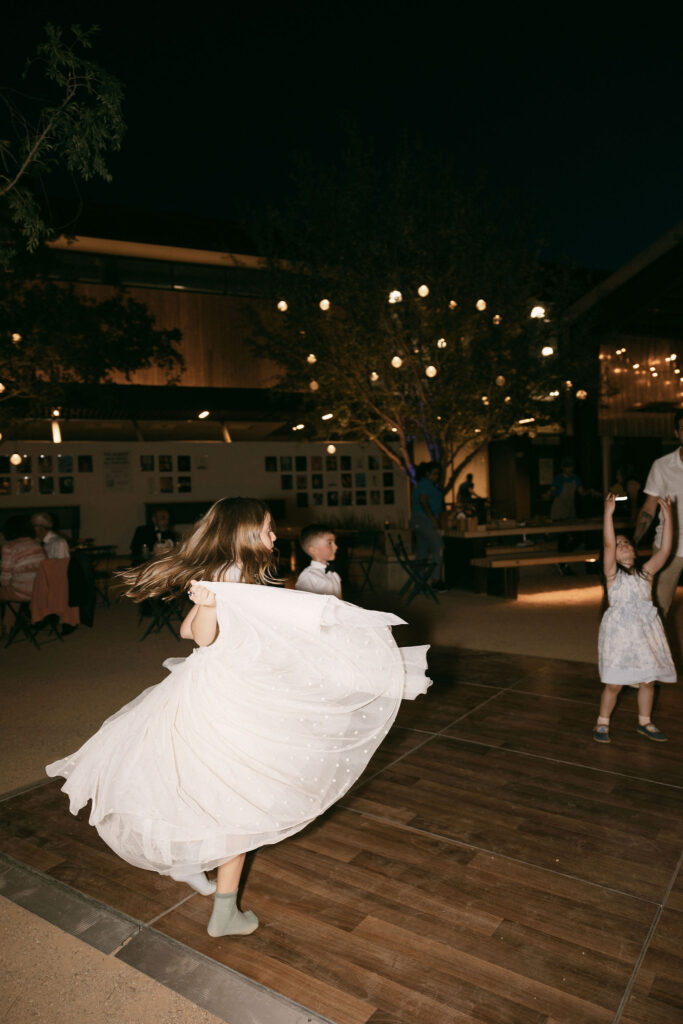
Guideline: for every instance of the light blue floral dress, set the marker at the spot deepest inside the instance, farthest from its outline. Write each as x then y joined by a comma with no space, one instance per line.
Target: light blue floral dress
632,647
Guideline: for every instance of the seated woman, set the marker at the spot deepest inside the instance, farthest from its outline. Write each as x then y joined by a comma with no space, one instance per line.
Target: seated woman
21,557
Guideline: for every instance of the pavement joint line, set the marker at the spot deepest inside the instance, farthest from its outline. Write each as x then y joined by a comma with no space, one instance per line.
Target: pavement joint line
626,995
503,856
169,910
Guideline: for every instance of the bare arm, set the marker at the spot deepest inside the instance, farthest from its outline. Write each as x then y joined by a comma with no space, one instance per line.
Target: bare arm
660,558
609,556
201,623
645,517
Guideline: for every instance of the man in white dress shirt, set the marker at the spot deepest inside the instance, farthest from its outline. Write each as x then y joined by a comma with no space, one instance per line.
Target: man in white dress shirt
319,543
665,480
54,545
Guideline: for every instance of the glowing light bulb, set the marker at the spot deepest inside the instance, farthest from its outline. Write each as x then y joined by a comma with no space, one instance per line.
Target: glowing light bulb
547,350
554,394
203,414
311,358
537,313
56,411
394,430
497,319
374,376
282,306
395,297
328,416
673,356
423,291
500,380
299,426
331,449
397,362
56,432
16,338
636,366
324,305
15,459
441,343
481,305
2,387
485,399
452,304
581,394
507,399
314,385
431,371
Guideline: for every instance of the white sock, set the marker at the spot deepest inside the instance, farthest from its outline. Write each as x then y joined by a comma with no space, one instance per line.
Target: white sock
198,881
226,919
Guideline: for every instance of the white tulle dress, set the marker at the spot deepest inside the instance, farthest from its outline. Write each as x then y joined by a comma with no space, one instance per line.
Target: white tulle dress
245,741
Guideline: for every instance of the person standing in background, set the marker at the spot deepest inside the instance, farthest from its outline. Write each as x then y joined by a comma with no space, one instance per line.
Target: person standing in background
426,508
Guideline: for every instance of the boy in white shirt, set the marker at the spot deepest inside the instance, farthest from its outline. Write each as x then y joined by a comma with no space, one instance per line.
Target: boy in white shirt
319,543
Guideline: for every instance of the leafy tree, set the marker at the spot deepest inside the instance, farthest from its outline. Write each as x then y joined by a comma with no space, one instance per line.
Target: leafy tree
408,301
68,125
51,337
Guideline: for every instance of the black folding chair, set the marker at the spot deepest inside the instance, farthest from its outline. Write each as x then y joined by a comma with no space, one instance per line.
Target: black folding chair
163,614
362,553
22,625
418,573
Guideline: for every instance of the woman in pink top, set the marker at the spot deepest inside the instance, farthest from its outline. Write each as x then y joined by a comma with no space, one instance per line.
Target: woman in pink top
21,556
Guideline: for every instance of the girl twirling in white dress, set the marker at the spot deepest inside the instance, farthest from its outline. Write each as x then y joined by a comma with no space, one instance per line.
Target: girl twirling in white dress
266,724
632,647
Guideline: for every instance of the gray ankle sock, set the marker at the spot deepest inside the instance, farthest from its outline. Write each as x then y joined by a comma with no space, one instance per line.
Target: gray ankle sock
226,919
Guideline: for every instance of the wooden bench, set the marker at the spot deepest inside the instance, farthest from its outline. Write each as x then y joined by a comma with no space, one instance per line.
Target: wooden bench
499,574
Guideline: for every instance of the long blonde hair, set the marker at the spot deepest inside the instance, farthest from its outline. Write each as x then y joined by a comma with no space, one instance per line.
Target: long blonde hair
229,534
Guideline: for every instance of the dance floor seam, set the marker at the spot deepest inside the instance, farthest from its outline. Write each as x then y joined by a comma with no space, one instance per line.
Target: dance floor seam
493,865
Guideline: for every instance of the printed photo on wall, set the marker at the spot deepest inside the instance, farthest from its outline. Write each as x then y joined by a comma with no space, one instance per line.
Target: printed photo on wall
361,497
285,463
345,462
317,480
302,482
347,497
346,480
85,463
25,485
165,463
184,484
66,485
332,498
165,483
271,463
44,463
46,485
374,498
287,482
317,498
25,465
300,463
373,462
65,463
184,463
360,479
5,485
316,463
146,463
5,464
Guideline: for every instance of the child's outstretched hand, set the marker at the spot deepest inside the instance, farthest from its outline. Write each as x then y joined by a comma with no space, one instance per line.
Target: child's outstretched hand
664,508
201,595
610,503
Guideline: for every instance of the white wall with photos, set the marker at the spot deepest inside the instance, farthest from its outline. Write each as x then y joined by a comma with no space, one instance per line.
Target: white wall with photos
112,483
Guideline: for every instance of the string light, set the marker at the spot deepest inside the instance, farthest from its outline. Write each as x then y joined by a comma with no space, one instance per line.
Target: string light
431,371
56,411
500,380
15,459
537,313
485,399
299,426
2,387
497,319
581,394
203,414
311,358
441,343
397,362
374,376
527,419
553,394
395,297
481,305
324,305
331,449
56,432
282,306
547,350
423,291
507,399
452,304
328,416
314,385
16,338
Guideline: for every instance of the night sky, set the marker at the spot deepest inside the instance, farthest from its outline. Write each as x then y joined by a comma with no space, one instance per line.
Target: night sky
579,123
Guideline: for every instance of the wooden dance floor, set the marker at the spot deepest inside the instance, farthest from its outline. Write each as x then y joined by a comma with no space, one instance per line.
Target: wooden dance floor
494,865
